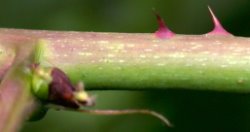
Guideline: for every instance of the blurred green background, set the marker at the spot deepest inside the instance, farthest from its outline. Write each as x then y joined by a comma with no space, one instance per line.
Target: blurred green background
189,111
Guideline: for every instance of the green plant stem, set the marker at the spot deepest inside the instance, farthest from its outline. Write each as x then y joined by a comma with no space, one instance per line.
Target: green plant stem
16,100
123,61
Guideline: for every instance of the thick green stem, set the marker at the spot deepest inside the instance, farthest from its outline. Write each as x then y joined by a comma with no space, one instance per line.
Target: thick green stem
142,61
121,61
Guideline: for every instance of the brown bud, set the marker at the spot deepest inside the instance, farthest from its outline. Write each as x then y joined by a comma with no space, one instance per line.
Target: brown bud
61,90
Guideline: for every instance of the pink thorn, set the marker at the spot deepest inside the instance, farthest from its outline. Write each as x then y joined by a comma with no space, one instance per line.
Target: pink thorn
218,28
163,31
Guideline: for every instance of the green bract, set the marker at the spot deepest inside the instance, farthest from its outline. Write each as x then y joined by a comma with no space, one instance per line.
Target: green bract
40,82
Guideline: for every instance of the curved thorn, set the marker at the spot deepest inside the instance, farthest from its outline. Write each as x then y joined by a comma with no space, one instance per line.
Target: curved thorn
218,28
163,31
